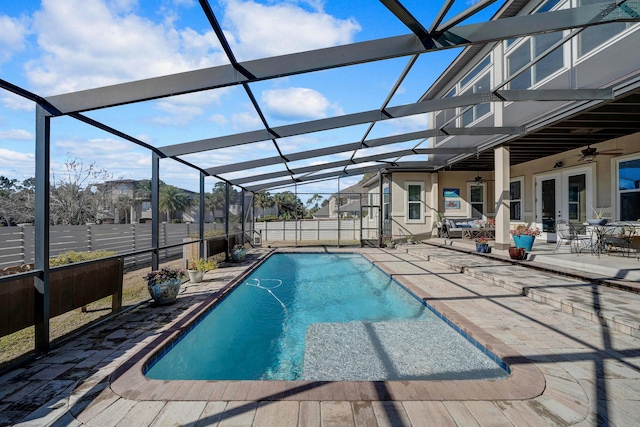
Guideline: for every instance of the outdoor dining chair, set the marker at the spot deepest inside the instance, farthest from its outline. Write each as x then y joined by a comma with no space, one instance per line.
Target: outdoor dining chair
566,232
618,236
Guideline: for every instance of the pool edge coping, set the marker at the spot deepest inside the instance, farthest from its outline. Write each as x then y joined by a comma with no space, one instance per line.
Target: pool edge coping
128,380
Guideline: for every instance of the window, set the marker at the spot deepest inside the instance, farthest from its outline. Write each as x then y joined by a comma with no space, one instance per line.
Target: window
476,71
385,202
629,189
414,202
595,36
577,198
146,206
515,197
479,110
476,201
528,51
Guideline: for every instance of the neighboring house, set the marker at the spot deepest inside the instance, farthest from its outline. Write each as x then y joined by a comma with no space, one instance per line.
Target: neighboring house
322,213
123,204
542,188
347,203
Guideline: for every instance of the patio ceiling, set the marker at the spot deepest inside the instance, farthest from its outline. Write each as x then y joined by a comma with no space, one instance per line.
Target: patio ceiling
601,123
443,32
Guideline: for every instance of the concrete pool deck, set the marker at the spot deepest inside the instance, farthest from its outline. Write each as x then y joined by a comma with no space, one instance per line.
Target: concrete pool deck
567,370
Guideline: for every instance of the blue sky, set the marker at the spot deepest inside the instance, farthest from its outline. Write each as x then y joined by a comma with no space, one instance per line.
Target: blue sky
51,47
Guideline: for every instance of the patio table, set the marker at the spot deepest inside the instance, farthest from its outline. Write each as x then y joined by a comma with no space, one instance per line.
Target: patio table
617,234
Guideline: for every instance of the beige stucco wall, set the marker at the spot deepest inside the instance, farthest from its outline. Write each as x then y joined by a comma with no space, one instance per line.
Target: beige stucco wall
401,227
603,185
462,181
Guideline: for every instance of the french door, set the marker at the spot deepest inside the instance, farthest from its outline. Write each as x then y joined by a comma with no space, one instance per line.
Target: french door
562,195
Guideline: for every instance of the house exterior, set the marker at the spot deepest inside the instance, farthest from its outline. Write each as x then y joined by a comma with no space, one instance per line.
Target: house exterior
568,185
345,204
124,204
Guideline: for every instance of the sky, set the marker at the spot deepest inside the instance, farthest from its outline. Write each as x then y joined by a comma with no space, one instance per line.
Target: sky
52,47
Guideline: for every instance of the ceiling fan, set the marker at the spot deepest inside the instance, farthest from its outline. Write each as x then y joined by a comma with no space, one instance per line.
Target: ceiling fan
590,153
479,180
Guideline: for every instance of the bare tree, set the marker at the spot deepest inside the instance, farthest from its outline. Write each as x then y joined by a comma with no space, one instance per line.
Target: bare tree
74,196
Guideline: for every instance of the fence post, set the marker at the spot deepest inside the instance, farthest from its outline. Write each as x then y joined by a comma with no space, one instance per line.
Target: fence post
90,236
133,236
23,246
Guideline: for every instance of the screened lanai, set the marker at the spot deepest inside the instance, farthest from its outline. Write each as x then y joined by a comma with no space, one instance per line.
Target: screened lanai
291,115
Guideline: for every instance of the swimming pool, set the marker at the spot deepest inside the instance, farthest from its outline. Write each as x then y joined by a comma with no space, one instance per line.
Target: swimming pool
323,317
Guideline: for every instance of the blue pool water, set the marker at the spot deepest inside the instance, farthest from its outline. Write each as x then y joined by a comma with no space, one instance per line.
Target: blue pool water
261,329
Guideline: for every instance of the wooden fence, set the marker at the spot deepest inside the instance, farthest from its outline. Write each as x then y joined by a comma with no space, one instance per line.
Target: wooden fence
17,243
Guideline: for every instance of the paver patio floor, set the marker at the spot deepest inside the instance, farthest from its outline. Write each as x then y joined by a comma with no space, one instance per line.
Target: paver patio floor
581,372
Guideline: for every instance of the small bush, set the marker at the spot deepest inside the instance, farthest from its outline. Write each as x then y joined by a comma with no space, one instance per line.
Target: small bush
207,234
268,218
71,257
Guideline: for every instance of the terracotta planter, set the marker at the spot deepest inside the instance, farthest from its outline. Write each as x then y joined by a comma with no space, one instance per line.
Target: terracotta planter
517,253
164,292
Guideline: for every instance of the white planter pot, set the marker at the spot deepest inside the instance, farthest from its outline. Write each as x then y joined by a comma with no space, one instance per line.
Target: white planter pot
195,276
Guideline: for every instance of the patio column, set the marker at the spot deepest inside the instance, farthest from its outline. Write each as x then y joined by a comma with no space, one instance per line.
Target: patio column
503,205
155,211
201,212
42,292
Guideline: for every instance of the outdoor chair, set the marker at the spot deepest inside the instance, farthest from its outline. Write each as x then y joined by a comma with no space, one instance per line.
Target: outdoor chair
566,232
618,237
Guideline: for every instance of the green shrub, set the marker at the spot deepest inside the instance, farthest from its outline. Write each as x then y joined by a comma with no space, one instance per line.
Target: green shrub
71,257
207,234
268,218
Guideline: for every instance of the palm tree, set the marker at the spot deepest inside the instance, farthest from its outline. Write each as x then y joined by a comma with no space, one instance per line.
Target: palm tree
263,201
172,199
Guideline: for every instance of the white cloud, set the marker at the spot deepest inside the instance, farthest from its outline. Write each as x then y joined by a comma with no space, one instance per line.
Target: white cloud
11,37
10,157
15,164
103,44
17,134
15,102
109,154
245,121
260,30
219,119
296,103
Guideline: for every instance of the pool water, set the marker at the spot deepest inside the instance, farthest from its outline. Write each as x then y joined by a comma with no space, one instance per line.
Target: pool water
261,329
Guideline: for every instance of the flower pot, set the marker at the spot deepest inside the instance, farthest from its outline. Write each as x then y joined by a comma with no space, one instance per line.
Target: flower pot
164,292
195,276
597,221
524,241
517,253
238,254
483,248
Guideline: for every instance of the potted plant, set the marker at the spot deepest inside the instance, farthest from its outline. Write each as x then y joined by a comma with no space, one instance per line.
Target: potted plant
410,239
238,252
197,268
482,245
517,253
524,237
598,218
164,284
